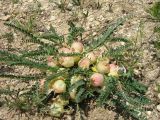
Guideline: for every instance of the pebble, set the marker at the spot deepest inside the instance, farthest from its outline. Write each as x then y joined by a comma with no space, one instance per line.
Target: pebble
90,19
137,72
59,21
158,96
85,11
30,1
87,27
155,88
158,107
5,17
70,5
149,1
52,18
97,23
94,33
158,81
153,74
148,113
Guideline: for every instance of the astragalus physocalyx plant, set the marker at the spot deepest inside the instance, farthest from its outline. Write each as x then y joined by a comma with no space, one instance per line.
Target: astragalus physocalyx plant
73,70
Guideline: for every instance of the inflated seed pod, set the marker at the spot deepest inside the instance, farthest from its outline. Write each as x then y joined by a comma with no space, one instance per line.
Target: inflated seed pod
97,79
103,67
56,109
66,61
84,63
77,47
92,57
114,69
59,86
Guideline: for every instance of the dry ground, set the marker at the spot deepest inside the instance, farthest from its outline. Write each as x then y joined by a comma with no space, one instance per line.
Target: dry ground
46,12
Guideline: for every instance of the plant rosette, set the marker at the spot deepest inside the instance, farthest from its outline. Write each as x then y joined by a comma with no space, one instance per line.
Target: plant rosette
94,70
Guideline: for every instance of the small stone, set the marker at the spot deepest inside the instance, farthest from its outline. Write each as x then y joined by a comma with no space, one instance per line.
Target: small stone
152,75
155,88
5,17
148,93
85,11
148,113
158,107
136,72
52,18
158,81
90,19
101,17
149,2
94,33
127,103
30,1
97,23
158,96
59,21
70,5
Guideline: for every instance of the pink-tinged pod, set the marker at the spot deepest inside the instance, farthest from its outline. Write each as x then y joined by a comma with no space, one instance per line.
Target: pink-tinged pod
51,62
66,61
113,70
92,57
64,50
103,67
77,47
84,63
59,86
97,79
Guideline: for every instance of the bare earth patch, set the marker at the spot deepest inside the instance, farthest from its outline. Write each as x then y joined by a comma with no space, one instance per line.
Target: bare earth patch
46,12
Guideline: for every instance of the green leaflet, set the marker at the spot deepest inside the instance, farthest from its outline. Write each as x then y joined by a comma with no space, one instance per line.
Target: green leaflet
110,86
74,32
13,59
27,77
101,40
155,10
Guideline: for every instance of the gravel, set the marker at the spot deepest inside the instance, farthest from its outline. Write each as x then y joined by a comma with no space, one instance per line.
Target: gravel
49,13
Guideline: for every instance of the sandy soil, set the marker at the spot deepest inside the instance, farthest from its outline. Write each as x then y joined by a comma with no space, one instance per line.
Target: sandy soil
46,12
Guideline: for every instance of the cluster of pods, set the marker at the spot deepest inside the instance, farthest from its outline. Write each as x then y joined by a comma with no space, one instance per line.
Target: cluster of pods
93,61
